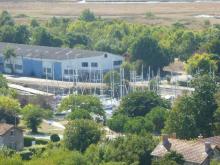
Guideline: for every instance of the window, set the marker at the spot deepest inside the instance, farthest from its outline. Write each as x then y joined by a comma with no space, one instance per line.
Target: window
116,63
84,64
65,71
105,55
18,67
47,70
71,71
8,66
94,64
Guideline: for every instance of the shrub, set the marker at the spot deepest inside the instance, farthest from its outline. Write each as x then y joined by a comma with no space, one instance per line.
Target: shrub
26,154
54,138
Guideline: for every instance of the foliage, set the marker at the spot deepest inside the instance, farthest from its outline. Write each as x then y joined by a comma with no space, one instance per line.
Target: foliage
140,103
174,156
6,19
9,109
54,138
112,80
201,63
3,82
86,102
157,116
79,114
192,115
33,115
117,122
79,134
87,15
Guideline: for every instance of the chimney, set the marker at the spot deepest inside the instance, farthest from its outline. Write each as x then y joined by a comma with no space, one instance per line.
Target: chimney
208,147
165,141
174,135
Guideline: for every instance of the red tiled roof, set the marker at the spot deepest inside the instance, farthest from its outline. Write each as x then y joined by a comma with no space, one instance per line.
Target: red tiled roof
4,128
192,151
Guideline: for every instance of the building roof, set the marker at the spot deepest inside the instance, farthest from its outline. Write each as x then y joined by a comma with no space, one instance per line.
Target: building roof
46,52
192,151
215,140
4,128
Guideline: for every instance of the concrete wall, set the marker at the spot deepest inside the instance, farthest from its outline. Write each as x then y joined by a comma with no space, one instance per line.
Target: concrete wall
13,139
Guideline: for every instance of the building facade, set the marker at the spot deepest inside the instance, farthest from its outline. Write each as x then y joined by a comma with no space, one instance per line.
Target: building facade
57,63
11,137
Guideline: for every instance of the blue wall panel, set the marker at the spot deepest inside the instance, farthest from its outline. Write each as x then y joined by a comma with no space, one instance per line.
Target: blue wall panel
32,67
57,71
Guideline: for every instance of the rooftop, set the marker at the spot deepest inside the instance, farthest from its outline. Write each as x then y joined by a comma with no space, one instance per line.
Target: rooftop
46,52
192,150
4,128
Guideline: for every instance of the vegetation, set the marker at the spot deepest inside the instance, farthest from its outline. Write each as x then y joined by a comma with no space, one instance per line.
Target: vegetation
33,116
79,134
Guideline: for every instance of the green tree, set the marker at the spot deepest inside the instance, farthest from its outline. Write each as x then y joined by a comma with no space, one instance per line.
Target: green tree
9,110
181,119
34,23
7,33
73,39
157,116
22,34
3,82
201,63
87,15
79,134
112,80
205,103
140,103
174,156
79,114
117,122
6,19
9,53
86,102
147,49
33,116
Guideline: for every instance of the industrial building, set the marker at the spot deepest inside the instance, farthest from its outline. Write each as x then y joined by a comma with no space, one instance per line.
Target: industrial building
57,63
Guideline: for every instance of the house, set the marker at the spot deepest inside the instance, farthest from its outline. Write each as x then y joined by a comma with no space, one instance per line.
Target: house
195,152
11,136
57,63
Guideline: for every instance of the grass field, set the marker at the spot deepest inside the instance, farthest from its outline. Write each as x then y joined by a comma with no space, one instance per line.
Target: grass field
164,13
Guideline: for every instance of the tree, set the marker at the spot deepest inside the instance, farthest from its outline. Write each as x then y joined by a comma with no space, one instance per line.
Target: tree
54,138
9,110
147,49
131,149
7,33
140,103
87,15
157,116
117,122
6,19
73,39
42,37
201,63
181,119
33,115
9,53
34,23
79,134
22,34
79,114
86,102
205,103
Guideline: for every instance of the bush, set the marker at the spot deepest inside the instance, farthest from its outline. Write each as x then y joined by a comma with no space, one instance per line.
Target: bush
54,138
26,155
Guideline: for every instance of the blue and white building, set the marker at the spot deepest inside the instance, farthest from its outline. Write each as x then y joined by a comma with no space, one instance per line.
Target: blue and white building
57,63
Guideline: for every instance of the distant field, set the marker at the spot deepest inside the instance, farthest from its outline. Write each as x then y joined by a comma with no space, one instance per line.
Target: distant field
163,13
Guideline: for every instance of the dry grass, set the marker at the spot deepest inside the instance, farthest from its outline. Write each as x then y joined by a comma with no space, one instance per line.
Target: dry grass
166,13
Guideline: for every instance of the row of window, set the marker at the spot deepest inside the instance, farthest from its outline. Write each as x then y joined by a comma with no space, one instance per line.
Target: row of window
17,66
86,64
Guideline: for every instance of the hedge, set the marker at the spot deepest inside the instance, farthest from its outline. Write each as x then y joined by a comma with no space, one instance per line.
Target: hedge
28,141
